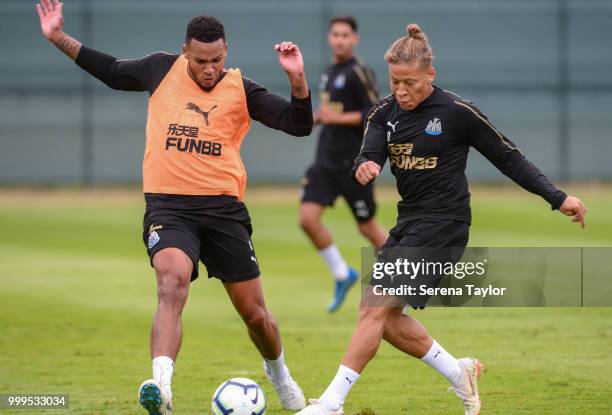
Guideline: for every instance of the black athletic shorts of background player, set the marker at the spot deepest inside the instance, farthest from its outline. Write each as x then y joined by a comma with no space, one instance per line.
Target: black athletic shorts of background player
323,185
428,240
214,229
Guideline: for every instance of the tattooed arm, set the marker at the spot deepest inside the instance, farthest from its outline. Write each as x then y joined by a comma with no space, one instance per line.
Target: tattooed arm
52,25
143,74
67,44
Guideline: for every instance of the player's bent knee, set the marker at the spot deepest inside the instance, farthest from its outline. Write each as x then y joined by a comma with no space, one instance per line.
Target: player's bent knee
171,259
173,278
415,336
373,315
308,222
172,264
172,285
172,290
310,216
259,319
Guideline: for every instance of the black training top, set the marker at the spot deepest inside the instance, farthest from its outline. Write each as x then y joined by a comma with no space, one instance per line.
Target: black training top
145,74
428,148
344,87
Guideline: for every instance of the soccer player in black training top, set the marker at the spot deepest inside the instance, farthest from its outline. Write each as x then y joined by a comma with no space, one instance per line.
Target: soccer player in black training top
347,92
194,181
426,132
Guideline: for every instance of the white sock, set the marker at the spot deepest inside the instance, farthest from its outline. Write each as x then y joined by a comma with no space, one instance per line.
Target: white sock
443,362
163,367
336,392
277,370
335,262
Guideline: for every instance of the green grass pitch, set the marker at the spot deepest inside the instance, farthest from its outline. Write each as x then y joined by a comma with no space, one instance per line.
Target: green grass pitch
77,296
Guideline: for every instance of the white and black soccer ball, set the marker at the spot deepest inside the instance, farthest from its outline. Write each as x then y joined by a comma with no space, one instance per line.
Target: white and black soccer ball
239,396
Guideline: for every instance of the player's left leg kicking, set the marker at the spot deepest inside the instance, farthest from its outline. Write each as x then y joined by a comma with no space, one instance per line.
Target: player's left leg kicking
381,317
229,255
248,299
409,336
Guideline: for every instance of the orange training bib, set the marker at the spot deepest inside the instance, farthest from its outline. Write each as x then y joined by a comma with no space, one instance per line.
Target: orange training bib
194,137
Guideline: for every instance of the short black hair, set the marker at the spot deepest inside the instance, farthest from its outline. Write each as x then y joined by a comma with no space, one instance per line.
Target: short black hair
205,29
348,19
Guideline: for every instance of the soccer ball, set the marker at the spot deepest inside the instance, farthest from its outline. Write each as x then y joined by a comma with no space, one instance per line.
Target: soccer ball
239,396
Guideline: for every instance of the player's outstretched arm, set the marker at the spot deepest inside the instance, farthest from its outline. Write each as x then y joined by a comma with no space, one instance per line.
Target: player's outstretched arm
52,27
143,74
510,161
290,59
506,156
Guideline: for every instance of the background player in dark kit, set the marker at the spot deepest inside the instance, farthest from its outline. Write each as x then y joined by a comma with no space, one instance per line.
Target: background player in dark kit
426,133
348,90
194,180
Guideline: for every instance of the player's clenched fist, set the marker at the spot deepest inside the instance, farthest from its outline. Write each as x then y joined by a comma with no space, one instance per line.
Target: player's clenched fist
366,172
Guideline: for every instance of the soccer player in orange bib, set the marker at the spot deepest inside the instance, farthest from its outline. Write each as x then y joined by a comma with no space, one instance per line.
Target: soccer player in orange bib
194,181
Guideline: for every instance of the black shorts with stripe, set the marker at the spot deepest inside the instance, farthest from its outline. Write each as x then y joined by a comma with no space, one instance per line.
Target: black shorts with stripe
214,229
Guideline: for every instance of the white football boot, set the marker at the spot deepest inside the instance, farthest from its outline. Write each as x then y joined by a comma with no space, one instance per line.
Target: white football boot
155,399
318,407
468,391
289,392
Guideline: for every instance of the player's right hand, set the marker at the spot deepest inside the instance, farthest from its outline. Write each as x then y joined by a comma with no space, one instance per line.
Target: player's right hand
51,18
572,206
366,172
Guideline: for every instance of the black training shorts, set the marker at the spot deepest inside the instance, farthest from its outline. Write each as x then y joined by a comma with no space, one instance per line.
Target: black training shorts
323,185
214,229
431,242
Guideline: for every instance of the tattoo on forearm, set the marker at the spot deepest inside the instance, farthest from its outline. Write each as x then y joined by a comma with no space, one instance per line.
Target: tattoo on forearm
69,46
